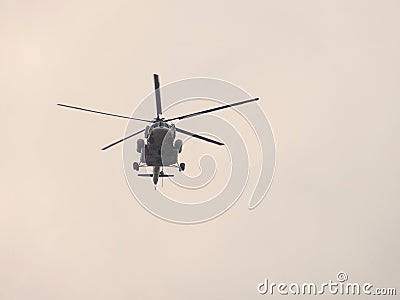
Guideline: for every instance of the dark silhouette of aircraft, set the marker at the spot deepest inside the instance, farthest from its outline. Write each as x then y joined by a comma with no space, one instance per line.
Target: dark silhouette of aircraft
159,148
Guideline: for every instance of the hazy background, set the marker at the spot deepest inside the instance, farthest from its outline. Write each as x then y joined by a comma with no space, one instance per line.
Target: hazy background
327,73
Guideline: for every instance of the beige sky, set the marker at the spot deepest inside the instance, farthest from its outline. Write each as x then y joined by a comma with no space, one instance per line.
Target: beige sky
327,73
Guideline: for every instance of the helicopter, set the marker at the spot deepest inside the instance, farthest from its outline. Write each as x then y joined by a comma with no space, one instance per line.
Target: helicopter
159,148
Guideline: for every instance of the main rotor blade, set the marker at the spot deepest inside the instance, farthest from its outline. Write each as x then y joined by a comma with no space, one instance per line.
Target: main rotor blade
211,110
199,136
102,113
158,96
121,140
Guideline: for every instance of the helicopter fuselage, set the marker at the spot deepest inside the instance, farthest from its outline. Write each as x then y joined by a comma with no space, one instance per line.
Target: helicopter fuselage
159,149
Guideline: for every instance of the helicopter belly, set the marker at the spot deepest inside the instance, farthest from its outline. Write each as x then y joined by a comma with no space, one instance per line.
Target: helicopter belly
155,158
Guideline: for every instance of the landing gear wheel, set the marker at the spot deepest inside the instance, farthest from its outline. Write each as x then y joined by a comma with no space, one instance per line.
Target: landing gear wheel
181,167
136,166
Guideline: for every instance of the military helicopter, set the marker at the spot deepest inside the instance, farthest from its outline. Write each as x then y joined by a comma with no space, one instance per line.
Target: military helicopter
159,148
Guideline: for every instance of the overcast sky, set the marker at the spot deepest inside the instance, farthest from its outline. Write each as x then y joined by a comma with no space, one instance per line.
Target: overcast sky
327,74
